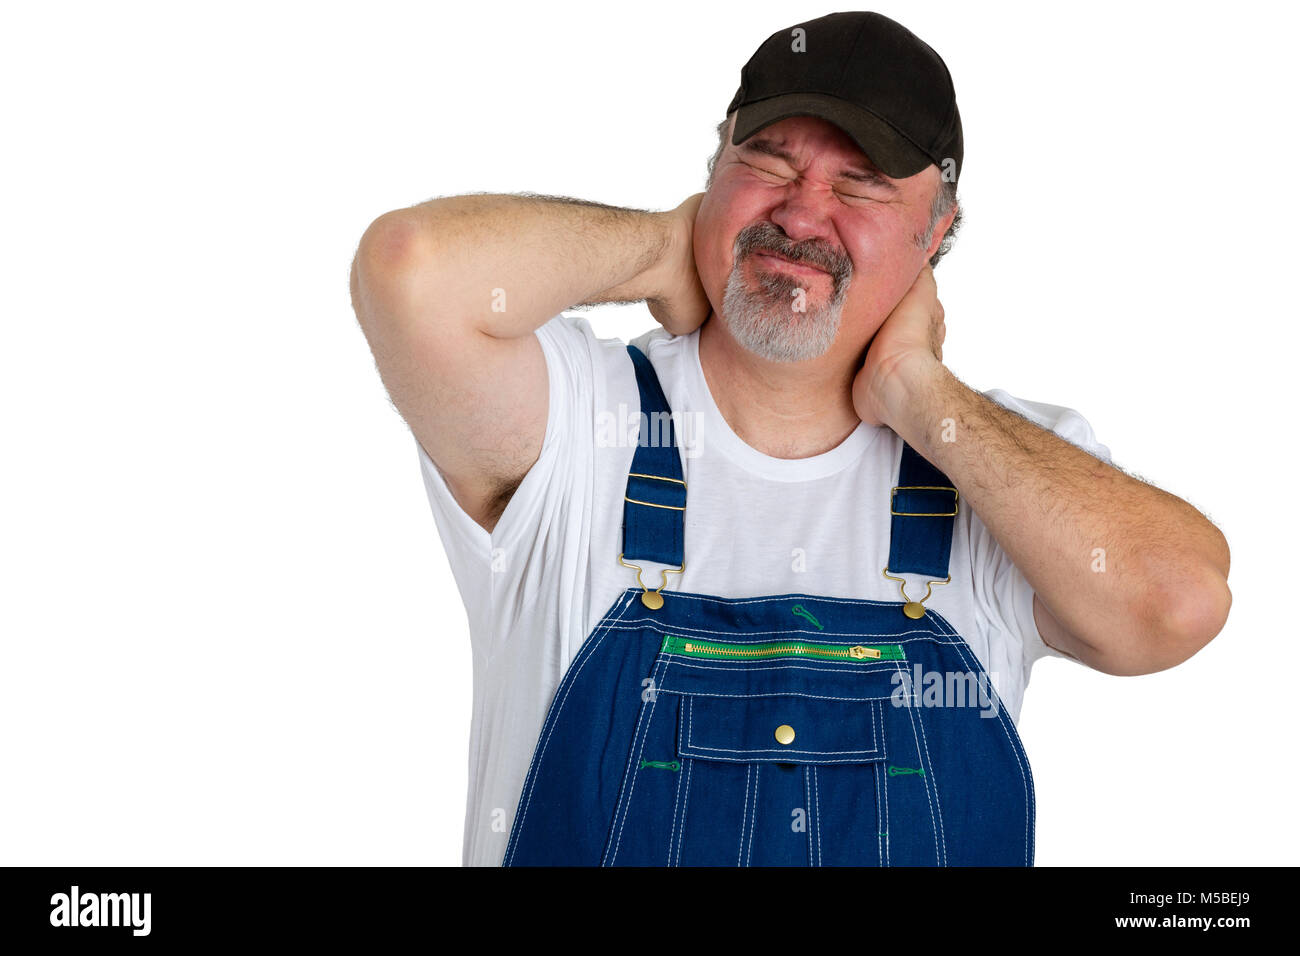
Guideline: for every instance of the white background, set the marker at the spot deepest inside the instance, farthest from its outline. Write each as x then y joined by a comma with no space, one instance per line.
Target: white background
230,634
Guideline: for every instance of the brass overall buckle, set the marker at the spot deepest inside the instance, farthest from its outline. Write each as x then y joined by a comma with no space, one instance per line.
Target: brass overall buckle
924,514
652,599
914,609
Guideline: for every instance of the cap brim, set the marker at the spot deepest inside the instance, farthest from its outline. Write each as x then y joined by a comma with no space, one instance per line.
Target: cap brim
891,152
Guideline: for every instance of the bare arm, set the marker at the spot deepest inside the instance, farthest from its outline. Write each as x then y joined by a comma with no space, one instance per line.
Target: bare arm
449,293
1127,578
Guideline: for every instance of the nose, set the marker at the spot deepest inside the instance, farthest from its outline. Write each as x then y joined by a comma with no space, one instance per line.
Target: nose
803,215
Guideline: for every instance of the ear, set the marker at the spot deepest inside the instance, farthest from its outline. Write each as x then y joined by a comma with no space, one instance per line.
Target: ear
939,230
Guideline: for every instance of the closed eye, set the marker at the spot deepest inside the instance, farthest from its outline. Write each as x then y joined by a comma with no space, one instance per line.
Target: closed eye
771,176
778,179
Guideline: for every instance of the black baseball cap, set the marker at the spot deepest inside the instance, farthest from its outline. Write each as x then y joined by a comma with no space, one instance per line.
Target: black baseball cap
870,76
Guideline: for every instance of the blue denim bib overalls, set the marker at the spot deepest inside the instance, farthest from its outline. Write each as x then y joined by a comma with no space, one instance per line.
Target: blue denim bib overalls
776,730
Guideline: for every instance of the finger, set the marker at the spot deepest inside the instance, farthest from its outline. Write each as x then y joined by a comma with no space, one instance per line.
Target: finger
925,277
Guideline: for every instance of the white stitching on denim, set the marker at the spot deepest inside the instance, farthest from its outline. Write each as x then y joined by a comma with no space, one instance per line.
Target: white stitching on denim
681,836
749,854
875,779
808,812
877,736
885,780
878,718
646,717
929,802
781,751
878,728
744,816
1022,766
1022,763
932,781
553,716
857,673
693,693
683,730
1016,746
817,798
718,758
677,796
623,807
884,637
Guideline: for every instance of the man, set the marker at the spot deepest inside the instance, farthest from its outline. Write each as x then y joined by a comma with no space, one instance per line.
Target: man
765,586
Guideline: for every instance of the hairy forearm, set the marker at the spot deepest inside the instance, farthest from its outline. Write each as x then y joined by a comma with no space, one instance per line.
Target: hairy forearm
505,264
1135,573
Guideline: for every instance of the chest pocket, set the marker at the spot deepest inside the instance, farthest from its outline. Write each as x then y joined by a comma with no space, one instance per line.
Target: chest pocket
780,729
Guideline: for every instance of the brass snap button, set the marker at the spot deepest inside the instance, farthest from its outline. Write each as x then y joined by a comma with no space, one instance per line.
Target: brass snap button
785,734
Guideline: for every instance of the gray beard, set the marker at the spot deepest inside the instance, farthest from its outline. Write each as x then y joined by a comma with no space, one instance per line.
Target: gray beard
763,320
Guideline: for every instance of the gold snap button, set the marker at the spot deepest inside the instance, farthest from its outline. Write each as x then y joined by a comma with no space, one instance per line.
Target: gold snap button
785,734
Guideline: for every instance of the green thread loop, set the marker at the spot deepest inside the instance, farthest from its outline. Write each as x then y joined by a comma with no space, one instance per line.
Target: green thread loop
799,611
898,771
672,765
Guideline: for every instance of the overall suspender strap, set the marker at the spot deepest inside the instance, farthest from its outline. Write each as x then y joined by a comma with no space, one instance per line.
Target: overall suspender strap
923,508
654,505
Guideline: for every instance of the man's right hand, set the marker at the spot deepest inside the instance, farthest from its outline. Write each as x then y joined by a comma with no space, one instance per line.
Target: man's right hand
449,294
679,302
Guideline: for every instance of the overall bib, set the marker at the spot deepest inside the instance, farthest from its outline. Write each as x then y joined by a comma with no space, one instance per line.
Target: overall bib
792,729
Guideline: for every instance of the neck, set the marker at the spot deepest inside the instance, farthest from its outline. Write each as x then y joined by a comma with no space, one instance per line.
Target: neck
782,409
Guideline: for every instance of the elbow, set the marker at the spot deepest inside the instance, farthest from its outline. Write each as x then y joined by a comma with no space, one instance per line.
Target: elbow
392,243
388,269
1191,615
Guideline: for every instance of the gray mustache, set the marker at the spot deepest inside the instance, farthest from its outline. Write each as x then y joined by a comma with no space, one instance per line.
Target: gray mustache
761,241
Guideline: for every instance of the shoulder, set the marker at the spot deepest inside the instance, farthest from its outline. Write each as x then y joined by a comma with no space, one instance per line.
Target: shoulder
667,353
572,335
569,338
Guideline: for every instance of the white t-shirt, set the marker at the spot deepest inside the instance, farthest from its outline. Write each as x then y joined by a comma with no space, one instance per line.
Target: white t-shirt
538,584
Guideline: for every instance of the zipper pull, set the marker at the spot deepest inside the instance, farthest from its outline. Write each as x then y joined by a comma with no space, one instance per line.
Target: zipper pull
859,652
799,611
660,765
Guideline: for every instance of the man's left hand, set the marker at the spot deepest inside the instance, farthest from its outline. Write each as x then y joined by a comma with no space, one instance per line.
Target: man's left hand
909,342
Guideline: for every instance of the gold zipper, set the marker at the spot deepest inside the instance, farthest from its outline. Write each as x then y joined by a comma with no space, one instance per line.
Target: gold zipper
723,650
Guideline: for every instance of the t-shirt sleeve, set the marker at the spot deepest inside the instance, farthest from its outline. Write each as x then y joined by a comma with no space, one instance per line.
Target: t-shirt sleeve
1002,591
472,553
